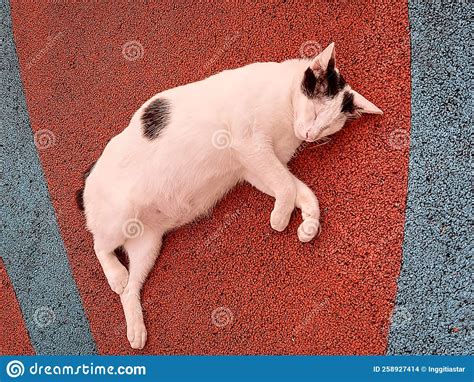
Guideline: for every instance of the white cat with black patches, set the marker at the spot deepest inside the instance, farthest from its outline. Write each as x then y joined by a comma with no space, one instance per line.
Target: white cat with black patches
170,166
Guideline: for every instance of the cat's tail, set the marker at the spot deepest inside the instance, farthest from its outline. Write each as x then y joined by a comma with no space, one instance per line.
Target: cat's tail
80,199
80,192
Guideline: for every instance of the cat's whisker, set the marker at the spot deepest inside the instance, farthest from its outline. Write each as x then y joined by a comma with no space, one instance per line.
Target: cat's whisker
321,142
357,114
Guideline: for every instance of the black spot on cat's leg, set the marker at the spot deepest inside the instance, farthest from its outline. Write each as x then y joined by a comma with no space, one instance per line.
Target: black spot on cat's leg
155,118
348,103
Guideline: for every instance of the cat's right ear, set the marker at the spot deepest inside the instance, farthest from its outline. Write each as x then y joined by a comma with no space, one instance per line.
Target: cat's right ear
322,60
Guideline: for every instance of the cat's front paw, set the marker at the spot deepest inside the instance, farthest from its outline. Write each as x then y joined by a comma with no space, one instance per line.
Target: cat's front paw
279,220
308,229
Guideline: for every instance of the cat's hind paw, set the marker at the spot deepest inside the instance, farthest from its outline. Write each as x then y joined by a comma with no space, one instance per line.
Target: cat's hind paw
308,229
118,279
137,335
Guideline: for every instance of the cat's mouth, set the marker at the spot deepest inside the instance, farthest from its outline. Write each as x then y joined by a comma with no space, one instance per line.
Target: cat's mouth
318,139
311,139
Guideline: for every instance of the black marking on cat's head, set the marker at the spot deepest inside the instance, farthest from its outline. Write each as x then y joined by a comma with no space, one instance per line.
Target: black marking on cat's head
348,103
155,117
312,85
328,83
335,81
308,85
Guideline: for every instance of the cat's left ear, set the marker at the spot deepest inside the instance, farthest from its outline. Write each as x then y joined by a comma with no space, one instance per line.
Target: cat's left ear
323,59
363,105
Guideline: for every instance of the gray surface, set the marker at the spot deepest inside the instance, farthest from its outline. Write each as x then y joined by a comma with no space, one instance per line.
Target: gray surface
31,246
434,313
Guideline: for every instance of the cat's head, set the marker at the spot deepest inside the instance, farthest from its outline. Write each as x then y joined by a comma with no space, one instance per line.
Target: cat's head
325,101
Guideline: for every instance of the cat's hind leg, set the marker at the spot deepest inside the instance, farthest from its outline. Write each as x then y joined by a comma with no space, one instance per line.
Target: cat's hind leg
142,252
105,242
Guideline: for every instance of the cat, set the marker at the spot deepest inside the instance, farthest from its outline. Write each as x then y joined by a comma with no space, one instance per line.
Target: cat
186,147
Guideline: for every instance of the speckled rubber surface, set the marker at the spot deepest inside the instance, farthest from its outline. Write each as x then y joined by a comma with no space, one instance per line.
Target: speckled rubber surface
435,302
11,320
331,296
228,284
31,248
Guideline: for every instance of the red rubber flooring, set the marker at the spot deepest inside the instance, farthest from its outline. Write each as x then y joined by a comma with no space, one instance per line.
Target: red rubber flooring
331,296
14,338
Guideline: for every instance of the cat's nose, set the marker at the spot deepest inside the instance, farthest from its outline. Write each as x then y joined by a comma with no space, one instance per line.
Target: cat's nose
311,136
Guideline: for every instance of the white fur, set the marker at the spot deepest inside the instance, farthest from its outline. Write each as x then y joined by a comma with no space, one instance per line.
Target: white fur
163,183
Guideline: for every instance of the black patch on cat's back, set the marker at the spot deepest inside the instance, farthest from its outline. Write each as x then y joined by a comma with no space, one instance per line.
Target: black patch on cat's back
155,117
348,103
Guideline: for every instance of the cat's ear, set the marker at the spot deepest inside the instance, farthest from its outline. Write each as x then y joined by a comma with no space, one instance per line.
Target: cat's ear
363,105
322,60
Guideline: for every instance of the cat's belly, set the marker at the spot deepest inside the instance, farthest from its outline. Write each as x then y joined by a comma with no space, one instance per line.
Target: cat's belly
202,199
185,189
